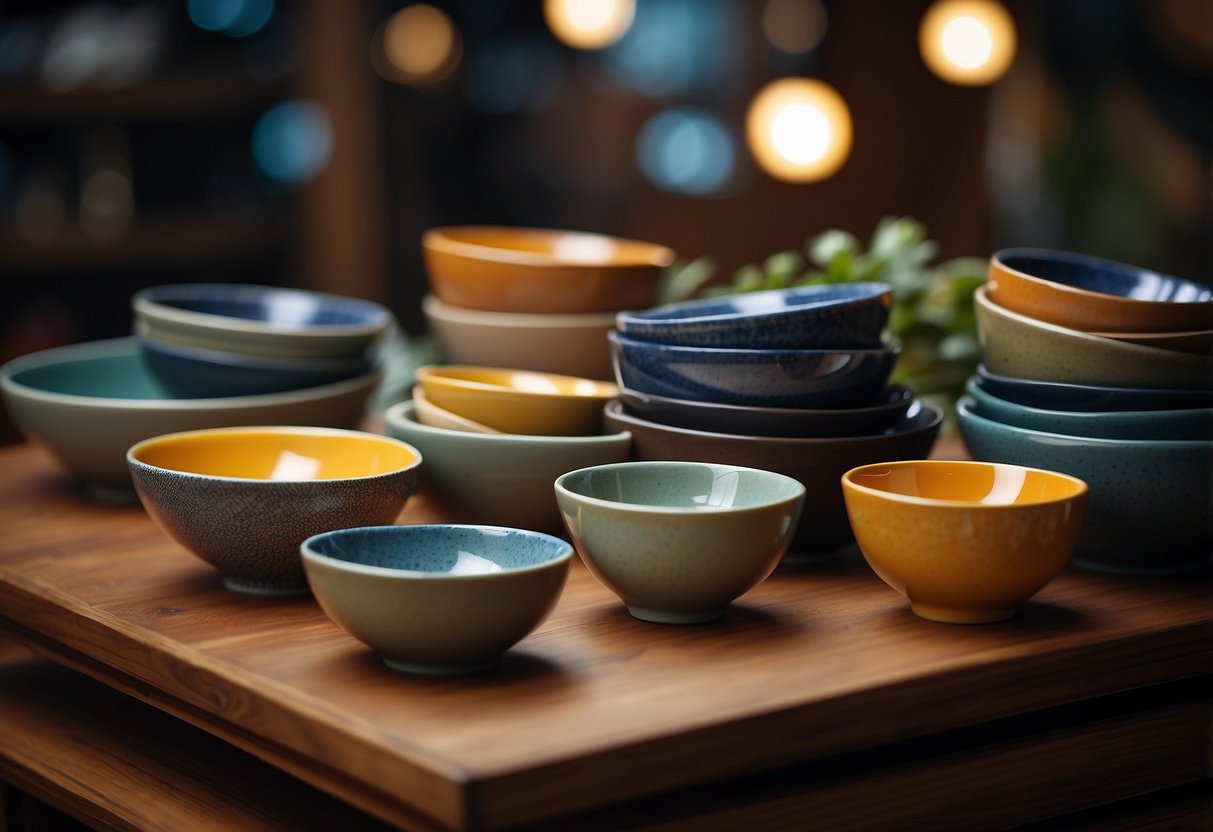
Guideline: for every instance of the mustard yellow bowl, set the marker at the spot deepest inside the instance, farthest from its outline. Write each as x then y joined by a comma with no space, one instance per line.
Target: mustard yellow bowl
965,542
518,401
243,499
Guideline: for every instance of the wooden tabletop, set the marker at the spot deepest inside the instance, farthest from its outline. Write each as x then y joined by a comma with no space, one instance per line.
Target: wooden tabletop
594,708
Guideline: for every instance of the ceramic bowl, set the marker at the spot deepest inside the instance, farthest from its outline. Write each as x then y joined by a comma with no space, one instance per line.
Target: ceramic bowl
260,320
1091,294
1088,398
500,479
1150,509
761,378
888,407
1185,424
572,345
243,499
434,416
850,315
88,403
1199,341
1023,347
437,599
503,269
964,542
679,541
518,401
816,463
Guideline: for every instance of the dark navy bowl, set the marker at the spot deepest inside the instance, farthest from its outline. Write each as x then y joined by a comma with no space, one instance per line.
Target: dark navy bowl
765,378
1052,395
1108,277
849,315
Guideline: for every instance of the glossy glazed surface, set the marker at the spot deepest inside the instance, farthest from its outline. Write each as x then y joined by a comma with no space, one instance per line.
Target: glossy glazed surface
1088,398
434,416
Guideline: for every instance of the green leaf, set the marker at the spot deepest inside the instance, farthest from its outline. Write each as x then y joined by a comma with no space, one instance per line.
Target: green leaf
823,248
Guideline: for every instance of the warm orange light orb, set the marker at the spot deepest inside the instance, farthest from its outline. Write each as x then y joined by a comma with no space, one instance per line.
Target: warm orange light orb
969,42
799,129
589,24
421,45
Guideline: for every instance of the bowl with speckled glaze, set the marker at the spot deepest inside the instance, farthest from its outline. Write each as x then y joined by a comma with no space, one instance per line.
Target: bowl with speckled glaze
242,499
679,541
965,542
437,599
1054,395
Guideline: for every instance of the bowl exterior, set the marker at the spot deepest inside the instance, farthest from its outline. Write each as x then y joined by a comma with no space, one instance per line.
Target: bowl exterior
1089,398
515,411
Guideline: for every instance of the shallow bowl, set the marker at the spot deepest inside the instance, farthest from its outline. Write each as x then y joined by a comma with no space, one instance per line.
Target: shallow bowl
679,541
437,599
964,542
431,414
243,499
1053,395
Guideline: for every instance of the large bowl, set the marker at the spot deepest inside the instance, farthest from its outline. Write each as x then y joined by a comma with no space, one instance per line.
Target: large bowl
88,403
763,378
817,463
845,315
572,345
1054,395
1151,502
500,479
1091,294
1023,347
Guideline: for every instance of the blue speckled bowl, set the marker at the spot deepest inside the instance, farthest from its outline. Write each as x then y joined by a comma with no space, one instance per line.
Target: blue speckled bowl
437,599
765,378
1151,501
1056,395
830,316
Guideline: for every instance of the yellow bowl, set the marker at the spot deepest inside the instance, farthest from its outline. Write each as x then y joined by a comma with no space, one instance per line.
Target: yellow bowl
434,416
965,542
518,401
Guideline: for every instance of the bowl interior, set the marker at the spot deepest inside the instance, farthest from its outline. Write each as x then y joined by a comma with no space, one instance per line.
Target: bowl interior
685,486
756,304
545,246
1088,397
111,374
439,549
1102,276
977,484
270,305
525,383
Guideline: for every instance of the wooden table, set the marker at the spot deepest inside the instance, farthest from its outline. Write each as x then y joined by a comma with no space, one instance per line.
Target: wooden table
821,701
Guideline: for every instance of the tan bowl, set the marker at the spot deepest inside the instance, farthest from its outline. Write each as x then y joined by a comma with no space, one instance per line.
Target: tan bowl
1198,341
433,416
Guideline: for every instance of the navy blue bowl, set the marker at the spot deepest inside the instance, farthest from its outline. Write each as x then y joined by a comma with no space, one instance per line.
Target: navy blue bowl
848,315
765,378
1095,274
1089,398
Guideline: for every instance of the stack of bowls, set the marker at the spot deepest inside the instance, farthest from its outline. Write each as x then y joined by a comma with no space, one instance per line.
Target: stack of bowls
534,299
1103,371
794,381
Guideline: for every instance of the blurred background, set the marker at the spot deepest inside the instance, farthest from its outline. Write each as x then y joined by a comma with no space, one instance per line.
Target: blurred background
309,142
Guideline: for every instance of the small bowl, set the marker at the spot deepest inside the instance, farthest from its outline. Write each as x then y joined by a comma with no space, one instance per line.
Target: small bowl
761,378
1088,398
816,463
88,403
243,499
500,479
888,407
1091,294
1023,347
1150,510
434,416
845,315
964,542
437,599
679,541
260,320
572,345
518,401
503,269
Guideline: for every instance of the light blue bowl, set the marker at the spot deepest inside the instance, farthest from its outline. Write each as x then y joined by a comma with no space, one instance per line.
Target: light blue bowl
1188,424
831,316
1150,510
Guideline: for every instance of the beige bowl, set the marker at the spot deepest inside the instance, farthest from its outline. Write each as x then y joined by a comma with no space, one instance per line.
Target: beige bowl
434,416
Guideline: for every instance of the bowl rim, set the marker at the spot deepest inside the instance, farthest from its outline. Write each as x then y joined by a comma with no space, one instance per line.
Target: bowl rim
892,347
251,361
1068,386
440,238
974,390
1092,262
902,391
436,307
658,316
406,411
603,390
426,529
422,400
1081,487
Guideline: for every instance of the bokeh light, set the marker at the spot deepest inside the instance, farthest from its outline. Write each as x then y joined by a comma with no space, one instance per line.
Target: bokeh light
589,24
292,141
967,42
420,45
794,26
235,18
687,151
799,129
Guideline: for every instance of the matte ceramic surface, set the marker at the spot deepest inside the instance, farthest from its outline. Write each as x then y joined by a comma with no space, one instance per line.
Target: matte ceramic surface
262,320
573,345
88,403
437,599
1191,423
507,269
763,378
889,406
518,401
1088,398
1023,347
1091,294
965,542
243,499
679,541
817,463
1150,509
500,479
434,416
832,316
1194,341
